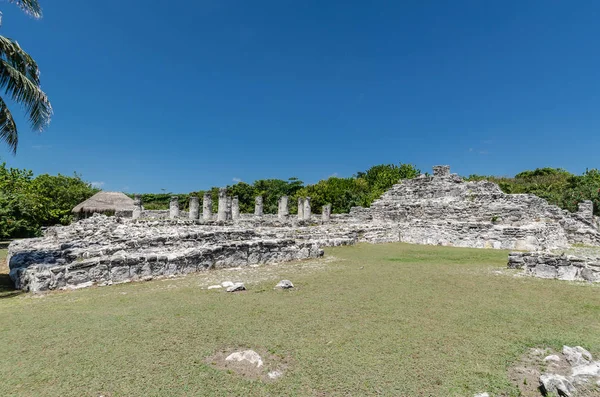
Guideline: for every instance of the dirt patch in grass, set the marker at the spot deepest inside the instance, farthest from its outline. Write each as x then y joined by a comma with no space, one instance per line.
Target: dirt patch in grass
525,374
274,367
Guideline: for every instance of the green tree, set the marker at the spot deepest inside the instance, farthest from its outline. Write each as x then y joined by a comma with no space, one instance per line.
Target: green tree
20,79
380,178
581,188
246,194
341,193
27,203
18,217
56,195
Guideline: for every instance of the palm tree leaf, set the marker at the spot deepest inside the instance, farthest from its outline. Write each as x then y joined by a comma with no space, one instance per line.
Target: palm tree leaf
31,7
27,93
19,59
8,127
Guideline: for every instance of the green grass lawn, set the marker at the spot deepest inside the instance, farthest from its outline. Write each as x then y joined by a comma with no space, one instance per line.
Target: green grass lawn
390,320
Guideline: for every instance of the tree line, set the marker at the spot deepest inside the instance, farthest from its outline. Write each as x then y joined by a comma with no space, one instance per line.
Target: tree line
555,185
343,193
28,203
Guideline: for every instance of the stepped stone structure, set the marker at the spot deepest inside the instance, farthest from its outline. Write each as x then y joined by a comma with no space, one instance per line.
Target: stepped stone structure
445,210
441,209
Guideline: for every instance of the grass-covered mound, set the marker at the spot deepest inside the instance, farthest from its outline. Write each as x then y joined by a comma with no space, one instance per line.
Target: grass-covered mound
391,319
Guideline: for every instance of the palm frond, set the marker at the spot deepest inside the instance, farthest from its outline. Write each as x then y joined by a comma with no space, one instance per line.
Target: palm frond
19,59
31,7
27,93
8,127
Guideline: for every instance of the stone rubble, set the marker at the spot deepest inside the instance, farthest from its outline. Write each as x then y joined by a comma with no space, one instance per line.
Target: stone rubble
552,383
583,372
556,266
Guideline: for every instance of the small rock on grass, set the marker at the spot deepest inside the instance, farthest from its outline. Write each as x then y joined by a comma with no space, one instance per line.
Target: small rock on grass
236,287
577,355
275,374
552,383
482,395
285,284
555,358
249,356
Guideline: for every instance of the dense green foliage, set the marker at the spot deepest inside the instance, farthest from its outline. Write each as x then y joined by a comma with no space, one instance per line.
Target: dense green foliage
557,186
28,203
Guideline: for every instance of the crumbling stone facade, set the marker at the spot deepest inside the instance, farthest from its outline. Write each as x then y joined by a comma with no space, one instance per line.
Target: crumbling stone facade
445,210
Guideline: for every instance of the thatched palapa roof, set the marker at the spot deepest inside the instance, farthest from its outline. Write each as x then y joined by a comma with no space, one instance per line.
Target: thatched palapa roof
105,202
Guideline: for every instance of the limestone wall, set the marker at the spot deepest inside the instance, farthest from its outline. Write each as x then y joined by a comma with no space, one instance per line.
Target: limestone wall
558,266
104,250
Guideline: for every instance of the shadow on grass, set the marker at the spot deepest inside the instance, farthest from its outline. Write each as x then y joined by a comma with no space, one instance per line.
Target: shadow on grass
7,288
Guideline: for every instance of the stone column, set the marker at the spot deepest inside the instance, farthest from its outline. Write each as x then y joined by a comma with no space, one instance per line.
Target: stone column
283,209
307,210
207,207
194,207
137,207
326,217
222,209
229,208
586,209
258,206
300,208
235,208
174,207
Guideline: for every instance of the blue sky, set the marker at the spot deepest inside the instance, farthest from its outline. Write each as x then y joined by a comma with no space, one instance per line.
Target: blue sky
150,96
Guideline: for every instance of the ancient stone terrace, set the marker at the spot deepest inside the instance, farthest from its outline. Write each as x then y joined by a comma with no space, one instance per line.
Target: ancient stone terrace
441,209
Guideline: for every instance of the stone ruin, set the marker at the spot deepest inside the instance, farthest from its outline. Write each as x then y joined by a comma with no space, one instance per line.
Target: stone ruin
441,209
